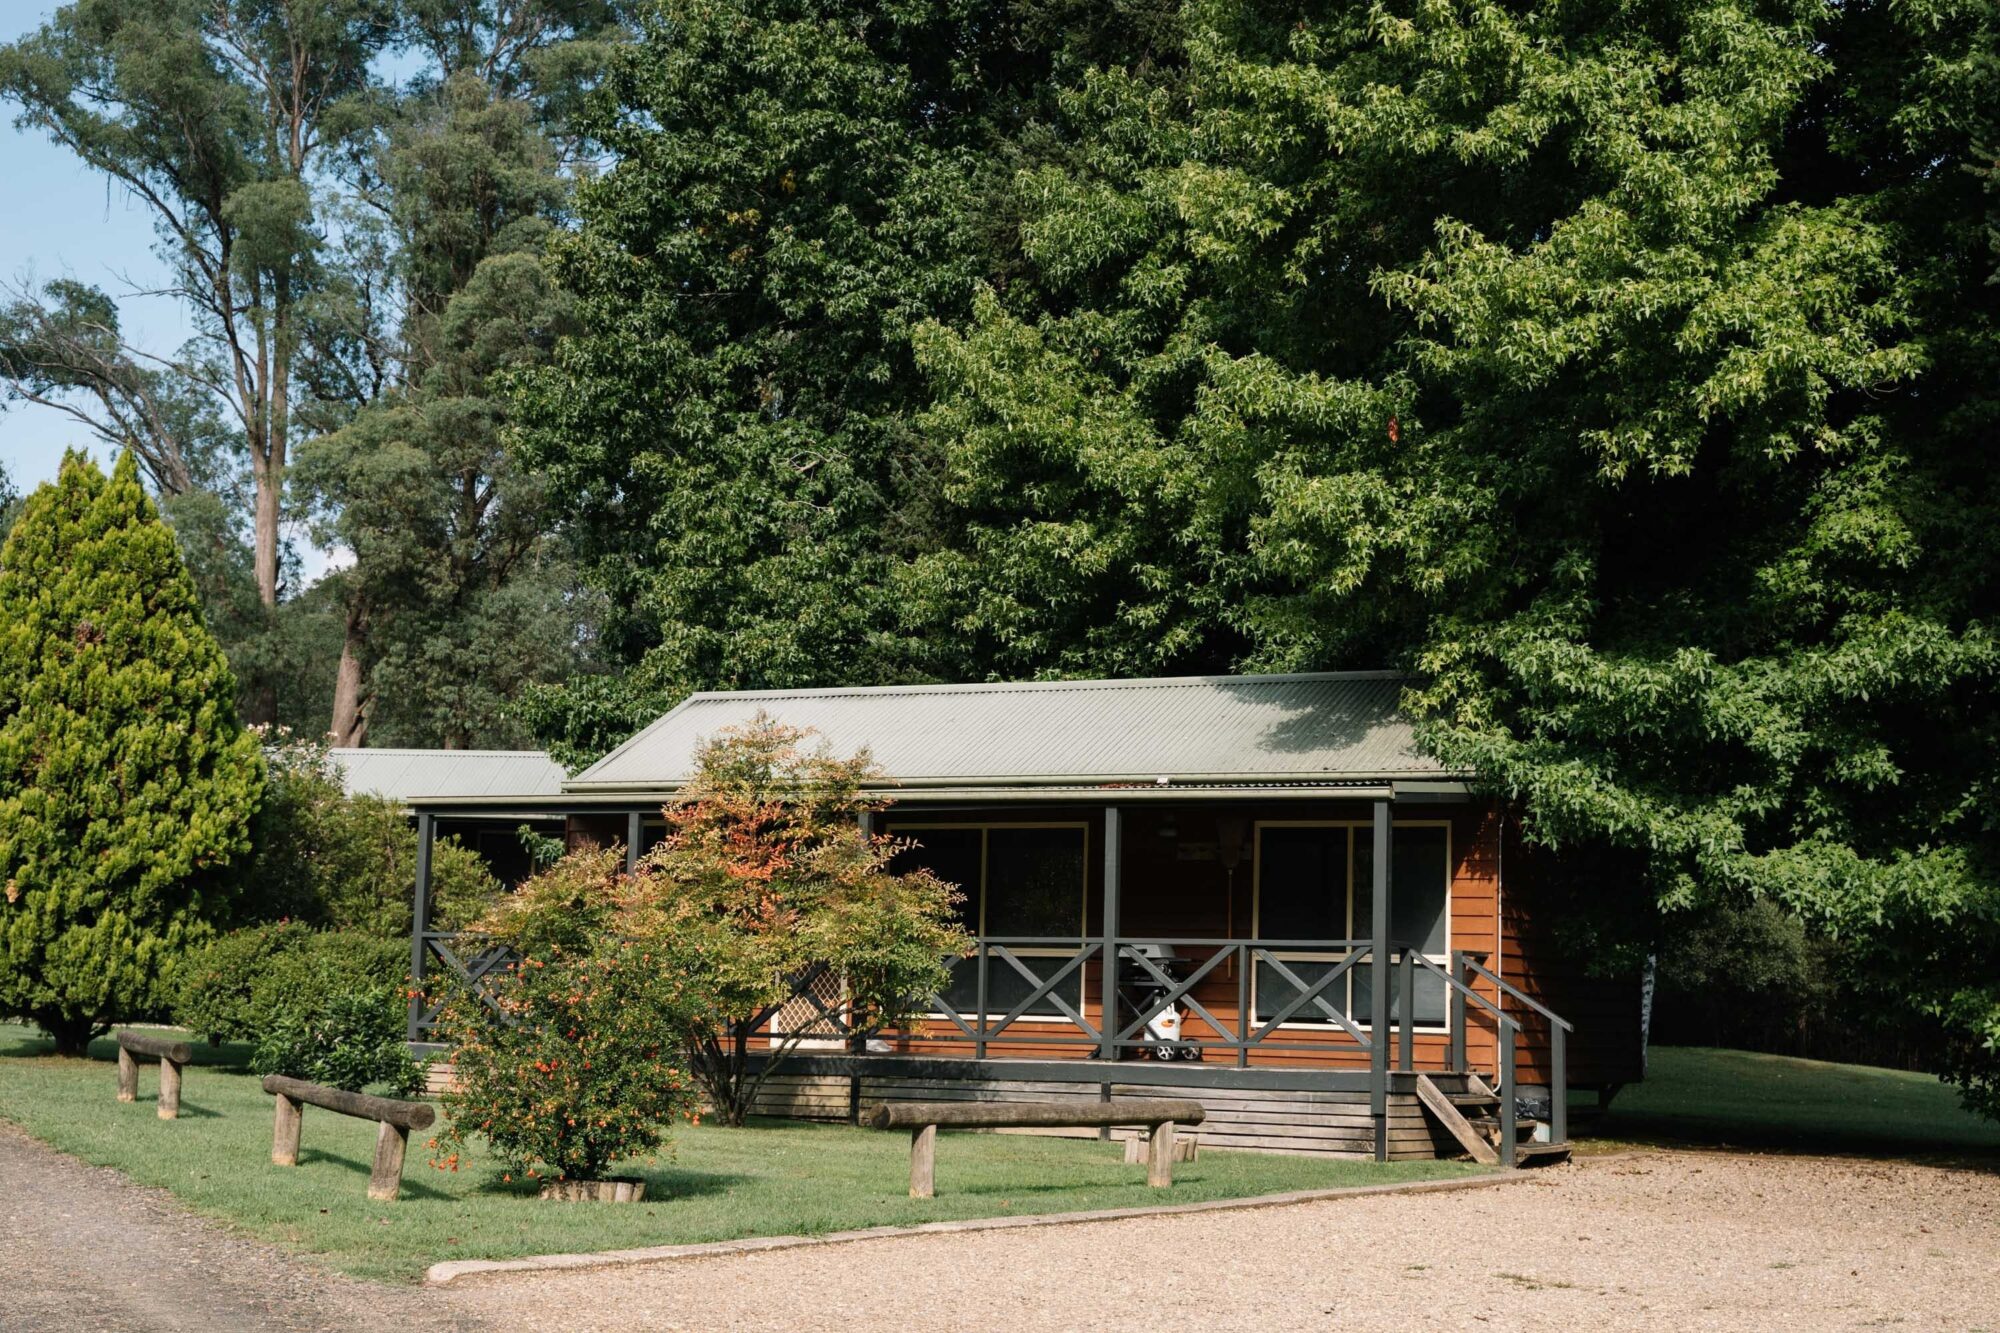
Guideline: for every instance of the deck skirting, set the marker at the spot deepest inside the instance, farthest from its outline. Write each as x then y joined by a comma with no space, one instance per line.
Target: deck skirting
1322,1114
1312,1112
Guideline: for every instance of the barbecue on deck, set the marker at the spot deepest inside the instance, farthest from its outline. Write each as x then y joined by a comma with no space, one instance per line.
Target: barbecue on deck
1353,940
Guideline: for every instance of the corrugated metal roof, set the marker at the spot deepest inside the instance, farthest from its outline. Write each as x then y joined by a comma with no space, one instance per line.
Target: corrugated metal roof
407,775
1209,729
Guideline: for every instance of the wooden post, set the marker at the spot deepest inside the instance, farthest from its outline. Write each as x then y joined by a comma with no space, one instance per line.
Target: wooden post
1160,1156
1378,969
170,1089
635,830
386,1180
923,1161
128,1076
1558,1084
1460,979
1108,1019
285,1132
1406,999
420,921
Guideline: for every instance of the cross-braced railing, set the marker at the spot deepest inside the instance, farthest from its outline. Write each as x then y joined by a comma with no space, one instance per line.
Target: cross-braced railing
1015,992
464,960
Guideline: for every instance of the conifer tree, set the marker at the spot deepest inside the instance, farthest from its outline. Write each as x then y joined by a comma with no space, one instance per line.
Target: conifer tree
126,784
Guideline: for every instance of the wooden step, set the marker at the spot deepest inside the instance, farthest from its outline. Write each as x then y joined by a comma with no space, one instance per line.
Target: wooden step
1440,1104
1529,1153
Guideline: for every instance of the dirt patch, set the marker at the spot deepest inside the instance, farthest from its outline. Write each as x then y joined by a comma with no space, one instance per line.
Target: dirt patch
85,1248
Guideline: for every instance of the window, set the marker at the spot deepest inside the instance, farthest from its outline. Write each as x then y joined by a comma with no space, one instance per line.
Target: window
1022,882
1315,883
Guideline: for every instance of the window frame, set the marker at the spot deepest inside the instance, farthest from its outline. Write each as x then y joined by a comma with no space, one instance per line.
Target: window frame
1352,827
985,827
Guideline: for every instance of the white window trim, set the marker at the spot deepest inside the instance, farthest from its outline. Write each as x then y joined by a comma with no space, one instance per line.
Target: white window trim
985,829
1347,926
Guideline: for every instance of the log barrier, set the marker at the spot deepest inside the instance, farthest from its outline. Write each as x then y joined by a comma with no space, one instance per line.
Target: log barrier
1158,1115
394,1121
173,1057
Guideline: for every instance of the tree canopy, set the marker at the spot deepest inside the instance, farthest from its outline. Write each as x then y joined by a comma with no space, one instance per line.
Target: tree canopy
1625,373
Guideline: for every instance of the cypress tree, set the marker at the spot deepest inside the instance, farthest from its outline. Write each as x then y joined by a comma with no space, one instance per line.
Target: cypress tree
126,784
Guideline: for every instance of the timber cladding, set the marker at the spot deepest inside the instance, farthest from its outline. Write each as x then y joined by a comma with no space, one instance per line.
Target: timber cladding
1333,1123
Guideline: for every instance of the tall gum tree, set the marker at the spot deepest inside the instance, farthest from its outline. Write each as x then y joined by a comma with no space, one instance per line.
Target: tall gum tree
214,114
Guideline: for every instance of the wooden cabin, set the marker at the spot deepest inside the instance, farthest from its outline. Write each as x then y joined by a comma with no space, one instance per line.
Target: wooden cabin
1346,932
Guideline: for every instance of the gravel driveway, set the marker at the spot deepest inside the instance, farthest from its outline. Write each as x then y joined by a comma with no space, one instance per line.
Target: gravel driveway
1660,1241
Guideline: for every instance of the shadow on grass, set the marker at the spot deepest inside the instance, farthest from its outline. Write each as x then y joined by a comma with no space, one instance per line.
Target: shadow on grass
1665,1130
412,1183
231,1055
189,1110
663,1183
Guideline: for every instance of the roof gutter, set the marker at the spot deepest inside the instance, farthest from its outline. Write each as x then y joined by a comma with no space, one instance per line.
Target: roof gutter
626,796
1123,781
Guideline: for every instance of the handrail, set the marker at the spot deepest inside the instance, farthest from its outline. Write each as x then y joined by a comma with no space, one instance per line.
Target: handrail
1519,994
1509,1030
1456,984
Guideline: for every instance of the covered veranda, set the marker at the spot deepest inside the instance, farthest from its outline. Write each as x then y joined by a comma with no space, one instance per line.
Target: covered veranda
1267,862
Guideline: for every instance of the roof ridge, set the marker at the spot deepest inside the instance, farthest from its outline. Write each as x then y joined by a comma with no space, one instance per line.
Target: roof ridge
987,686
412,749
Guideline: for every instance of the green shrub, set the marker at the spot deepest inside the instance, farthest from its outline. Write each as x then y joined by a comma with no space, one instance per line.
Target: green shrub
347,1039
327,958
332,1009
217,980
348,863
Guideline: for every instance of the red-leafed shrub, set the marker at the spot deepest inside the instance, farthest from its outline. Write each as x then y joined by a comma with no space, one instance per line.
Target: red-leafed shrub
582,1065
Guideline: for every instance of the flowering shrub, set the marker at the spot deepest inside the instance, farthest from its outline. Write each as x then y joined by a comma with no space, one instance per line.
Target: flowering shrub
765,872
582,1068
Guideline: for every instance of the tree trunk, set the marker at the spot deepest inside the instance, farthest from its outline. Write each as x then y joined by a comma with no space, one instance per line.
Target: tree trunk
350,706
270,479
71,1035
263,699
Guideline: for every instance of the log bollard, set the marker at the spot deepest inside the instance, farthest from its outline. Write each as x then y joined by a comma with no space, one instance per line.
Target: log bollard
394,1120
172,1055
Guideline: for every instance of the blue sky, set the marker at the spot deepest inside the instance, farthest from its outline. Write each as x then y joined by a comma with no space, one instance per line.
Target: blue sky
59,219
63,220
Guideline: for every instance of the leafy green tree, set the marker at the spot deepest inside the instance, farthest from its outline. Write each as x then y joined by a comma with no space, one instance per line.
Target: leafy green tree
1628,373
730,431
61,348
127,789
456,599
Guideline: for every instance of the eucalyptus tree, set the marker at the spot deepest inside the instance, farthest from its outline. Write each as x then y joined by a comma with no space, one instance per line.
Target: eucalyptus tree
456,596
215,114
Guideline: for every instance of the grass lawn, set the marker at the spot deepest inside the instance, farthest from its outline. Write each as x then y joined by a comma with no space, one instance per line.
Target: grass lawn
1741,1099
772,1178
